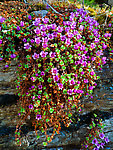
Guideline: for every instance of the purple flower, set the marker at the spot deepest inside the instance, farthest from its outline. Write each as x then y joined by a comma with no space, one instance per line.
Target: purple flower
0,28
63,38
53,26
67,42
110,25
92,46
78,36
39,96
42,73
44,45
36,75
32,41
52,54
0,41
55,34
27,46
40,87
45,20
35,56
33,79
106,139
33,97
101,135
36,22
102,144
60,29
60,86
43,54
98,53
104,46
30,106
13,56
43,28
45,40
50,36
67,29
2,19
29,17
18,28
6,66
82,48
95,141
24,40
56,78
37,40
70,35
81,27
1,58
37,30
72,82
92,73
38,117
22,23
69,91
91,88
54,71
95,148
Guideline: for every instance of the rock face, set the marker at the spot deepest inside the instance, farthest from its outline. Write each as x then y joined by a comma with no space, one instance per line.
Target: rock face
110,2
40,12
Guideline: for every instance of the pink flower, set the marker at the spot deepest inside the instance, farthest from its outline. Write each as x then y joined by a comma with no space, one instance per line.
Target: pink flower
42,73
69,92
70,35
38,117
86,81
44,45
81,27
13,56
52,54
43,28
40,87
43,54
39,96
92,73
60,86
60,29
78,36
98,53
35,56
37,40
72,82
37,30
30,106
92,46
29,17
33,79
45,20
27,46
53,26
45,40
56,78
54,71
22,23
63,38
67,29
18,28
67,42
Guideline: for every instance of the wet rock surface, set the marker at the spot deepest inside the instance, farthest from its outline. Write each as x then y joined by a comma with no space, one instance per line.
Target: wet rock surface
69,138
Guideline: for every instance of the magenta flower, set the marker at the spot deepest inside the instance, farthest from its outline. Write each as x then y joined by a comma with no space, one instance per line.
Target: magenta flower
81,27
70,35
36,75
6,66
102,135
44,45
43,28
92,46
91,88
72,82
38,117
45,20
1,58
33,79
52,54
60,86
43,54
30,106
104,46
2,19
76,46
0,41
24,40
29,17
67,42
18,28
35,56
45,40
96,148
86,81
95,141
22,23
33,97
56,78
106,139
53,26
54,71
69,92
36,22
102,145
92,73
78,36
50,36
32,41
37,30
39,96
37,40
67,29
42,73
82,48
13,56
40,87
60,29
63,38
27,46
55,34
98,53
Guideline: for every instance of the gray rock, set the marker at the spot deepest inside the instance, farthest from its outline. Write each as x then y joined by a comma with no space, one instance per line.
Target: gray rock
41,12
110,2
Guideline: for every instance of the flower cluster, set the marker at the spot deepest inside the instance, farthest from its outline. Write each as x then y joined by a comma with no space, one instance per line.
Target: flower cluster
57,57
